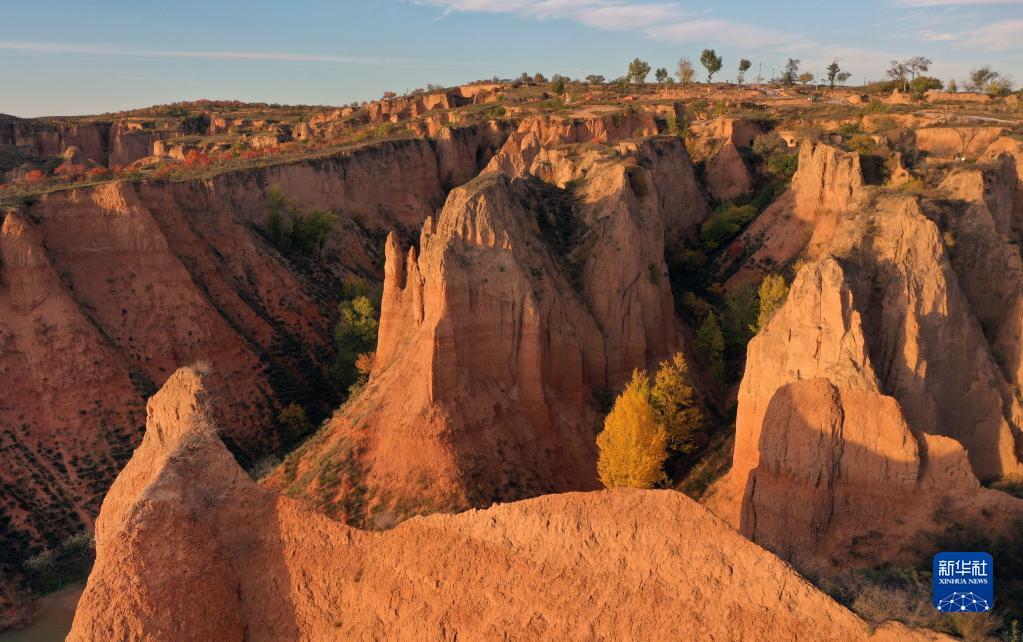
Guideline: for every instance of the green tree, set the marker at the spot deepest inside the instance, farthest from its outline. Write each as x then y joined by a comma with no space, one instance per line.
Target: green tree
676,405
711,62
790,74
924,84
638,71
354,335
739,318
633,446
771,294
710,343
685,71
980,78
661,75
557,85
805,77
595,79
744,66
293,231
833,71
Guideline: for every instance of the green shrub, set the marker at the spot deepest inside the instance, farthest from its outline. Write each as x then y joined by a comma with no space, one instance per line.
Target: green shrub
293,231
726,221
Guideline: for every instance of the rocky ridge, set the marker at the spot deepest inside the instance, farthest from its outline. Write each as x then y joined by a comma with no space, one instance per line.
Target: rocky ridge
298,575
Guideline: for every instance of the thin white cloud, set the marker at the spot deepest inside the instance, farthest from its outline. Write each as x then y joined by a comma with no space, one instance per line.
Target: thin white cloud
665,21
997,36
129,52
952,3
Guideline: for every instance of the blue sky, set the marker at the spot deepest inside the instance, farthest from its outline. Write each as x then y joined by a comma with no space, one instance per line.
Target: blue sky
76,57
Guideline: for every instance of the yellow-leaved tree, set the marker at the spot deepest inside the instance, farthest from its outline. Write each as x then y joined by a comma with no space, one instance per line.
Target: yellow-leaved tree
676,405
633,446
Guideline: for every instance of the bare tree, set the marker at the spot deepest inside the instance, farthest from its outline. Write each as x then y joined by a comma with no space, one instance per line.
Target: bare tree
685,72
918,64
899,72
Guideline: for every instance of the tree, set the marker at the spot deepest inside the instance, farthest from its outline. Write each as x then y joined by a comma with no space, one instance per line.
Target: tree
595,79
711,62
843,76
805,77
638,70
833,71
791,73
979,78
557,85
293,423
711,345
744,66
1001,86
923,84
739,318
539,78
633,446
685,72
917,64
354,335
675,404
661,75
772,293
899,72
952,86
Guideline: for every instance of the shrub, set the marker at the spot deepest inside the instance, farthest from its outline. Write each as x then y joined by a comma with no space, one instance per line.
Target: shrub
783,165
771,295
70,561
633,446
35,176
294,232
923,84
726,221
354,336
294,423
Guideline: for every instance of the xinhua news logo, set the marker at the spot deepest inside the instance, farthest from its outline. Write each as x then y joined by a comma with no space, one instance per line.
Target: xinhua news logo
964,582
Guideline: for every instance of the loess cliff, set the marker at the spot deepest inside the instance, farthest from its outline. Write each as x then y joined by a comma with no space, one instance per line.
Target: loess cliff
106,290
172,563
522,302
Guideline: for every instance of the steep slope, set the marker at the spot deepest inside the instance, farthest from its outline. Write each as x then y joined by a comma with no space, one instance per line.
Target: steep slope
829,182
520,304
981,216
107,290
828,469
648,564
538,132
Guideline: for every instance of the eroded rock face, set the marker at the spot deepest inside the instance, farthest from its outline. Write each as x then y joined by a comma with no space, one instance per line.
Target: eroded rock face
520,302
828,182
835,459
173,564
948,142
982,222
929,348
538,132
105,291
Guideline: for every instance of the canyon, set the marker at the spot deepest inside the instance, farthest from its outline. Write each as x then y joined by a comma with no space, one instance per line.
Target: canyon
529,259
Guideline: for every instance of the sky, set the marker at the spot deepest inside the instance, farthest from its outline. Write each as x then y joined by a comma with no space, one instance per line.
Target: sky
71,57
